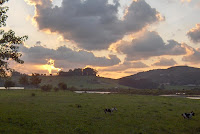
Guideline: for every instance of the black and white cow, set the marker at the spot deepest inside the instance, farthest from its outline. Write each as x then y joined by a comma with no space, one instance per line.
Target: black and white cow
110,110
188,115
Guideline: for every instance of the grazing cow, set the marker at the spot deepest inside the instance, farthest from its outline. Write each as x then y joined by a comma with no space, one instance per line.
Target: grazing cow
110,110
188,115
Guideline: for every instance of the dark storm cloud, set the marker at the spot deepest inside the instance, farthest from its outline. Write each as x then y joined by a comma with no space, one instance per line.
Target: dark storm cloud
165,62
93,24
194,34
65,57
149,45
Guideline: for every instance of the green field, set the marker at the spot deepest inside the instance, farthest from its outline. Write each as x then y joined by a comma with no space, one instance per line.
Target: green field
57,113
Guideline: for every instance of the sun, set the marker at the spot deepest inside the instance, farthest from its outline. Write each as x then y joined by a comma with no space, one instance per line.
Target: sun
50,66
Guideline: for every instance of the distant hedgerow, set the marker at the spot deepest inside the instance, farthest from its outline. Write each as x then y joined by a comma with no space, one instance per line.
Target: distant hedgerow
46,88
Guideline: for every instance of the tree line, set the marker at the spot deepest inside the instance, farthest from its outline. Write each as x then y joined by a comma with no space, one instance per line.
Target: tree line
75,72
24,80
79,72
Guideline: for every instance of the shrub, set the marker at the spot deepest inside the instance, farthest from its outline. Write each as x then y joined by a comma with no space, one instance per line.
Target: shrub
56,89
33,94
46,88
62,86
9,83
72,88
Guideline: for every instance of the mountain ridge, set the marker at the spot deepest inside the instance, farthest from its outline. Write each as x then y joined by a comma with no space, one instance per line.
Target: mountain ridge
176,75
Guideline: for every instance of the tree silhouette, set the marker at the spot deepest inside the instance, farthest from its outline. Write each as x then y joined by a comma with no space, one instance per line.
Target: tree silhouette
9,43
35,80
79,72
9,83
89,72
23,80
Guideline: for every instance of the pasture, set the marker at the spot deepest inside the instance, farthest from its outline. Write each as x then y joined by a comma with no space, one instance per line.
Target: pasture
36,112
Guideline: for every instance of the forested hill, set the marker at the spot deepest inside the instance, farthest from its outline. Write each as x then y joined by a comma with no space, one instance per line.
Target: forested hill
178,75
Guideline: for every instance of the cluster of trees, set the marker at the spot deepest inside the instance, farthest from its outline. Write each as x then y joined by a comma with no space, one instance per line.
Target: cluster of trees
139,84
33,81
79,72
24,80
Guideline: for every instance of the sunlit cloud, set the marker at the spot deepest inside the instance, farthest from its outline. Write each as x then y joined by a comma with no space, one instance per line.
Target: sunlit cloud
193,57
165,62
39,2
194,34
64,57
126,65
150,44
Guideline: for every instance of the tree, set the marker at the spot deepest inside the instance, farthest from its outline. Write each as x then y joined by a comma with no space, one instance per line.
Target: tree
78,72
23,80
89,72
35,80
8,84
62,86
9,43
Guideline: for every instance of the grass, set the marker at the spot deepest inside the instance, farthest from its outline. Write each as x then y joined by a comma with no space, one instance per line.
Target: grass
58,113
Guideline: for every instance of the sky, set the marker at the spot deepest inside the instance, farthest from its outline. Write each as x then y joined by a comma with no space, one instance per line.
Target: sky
116,37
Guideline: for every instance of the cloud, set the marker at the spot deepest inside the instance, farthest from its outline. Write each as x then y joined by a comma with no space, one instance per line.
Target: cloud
194,34
186,0
126,65
65,57
93,24
38,43
150,44
193,57
165,62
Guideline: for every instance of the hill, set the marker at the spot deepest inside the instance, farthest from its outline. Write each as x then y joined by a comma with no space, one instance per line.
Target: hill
177,75
79,82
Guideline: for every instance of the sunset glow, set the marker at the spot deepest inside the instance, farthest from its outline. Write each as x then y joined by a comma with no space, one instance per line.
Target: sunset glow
50,66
